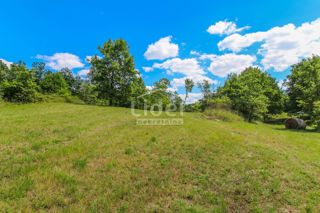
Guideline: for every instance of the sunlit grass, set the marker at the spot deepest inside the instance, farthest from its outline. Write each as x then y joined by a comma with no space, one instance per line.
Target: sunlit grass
78,158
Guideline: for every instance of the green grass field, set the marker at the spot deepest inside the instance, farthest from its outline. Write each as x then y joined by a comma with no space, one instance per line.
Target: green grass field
76,158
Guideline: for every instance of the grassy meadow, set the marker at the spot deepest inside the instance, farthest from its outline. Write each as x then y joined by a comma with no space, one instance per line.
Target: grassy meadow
58,157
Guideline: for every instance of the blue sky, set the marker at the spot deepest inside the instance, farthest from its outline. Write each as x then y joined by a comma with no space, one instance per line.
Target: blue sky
64,33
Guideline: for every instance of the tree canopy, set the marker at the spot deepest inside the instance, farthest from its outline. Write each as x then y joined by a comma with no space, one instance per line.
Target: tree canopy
114,74
253,93
303,88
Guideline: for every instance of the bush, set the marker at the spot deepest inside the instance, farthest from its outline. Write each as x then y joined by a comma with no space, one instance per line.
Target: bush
220,103
22,89
88,94
316,115
222,115
54,83
195,107
73,99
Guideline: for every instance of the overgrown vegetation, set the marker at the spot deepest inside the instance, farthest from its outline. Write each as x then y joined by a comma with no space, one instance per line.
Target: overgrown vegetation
114,81
257,96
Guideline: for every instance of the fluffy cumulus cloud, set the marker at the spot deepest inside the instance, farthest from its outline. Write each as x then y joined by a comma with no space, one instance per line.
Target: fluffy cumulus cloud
179,82
147,69
149,87
229,63
162,49
8,63
225,28
84,72
188,67
192,97
195,53
62,60
280,47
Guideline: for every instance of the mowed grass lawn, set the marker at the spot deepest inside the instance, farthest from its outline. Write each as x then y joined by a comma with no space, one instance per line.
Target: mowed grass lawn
76,158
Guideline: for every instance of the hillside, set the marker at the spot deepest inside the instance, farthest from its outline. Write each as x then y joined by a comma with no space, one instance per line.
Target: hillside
85,158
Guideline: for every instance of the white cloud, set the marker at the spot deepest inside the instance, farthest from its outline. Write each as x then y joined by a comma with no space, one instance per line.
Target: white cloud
230,63
208,57
192,97
88,58
149,87
225,28
180,82
196,53
62,60
281,84
147,69
162,49
171,89
8,63
237,42
188,67
84,72
280,46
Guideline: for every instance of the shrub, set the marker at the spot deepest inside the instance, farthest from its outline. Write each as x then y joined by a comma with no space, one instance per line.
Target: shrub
222,114
54,83
220,103
89,95
195,107
73,99
316,115
22,89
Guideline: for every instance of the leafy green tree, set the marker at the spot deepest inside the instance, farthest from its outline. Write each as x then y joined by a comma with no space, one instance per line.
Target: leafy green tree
54,83
88,93
188,84
74,82
316,114
163,84
14,70
19,85
160,95
138,88
303,85
205,88
253,93
39,71
176,101
114,73
3,71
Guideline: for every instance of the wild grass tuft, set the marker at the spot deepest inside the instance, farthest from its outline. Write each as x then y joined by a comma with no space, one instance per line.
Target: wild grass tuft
222,115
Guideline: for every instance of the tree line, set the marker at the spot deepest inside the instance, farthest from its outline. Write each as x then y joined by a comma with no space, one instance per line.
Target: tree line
114,81
257,96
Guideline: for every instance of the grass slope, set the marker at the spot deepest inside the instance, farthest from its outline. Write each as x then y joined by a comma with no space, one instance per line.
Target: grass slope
77,158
